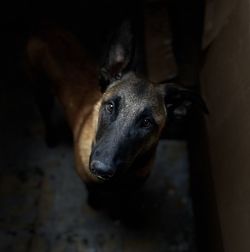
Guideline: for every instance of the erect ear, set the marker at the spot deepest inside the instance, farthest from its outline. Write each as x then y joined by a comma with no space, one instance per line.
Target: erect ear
119,56
179,100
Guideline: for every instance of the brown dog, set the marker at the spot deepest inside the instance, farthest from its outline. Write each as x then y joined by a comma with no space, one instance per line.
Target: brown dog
116,130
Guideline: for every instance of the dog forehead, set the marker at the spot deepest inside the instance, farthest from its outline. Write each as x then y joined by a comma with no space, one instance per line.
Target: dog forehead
136,96
133,90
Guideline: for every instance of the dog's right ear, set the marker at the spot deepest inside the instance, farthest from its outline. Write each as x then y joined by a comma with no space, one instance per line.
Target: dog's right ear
119,56
179,100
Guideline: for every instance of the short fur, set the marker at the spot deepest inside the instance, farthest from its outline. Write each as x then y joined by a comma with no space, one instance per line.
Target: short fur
73,75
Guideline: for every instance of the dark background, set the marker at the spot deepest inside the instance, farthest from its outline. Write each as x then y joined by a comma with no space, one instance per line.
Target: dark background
93,23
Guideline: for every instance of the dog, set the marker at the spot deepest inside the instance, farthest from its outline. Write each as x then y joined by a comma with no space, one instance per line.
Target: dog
116,116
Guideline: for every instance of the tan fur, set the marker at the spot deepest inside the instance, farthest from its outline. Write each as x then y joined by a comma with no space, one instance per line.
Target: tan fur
58,55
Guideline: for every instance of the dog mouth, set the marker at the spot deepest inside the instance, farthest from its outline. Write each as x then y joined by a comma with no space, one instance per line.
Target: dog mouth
101,177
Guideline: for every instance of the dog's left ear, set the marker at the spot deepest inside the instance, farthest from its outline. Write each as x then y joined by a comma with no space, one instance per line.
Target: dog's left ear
180,100
119,56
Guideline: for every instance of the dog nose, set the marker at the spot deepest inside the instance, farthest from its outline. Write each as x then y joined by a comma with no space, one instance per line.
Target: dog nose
101,170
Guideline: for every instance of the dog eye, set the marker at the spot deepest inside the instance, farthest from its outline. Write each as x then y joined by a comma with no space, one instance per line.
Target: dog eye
110,107
146,123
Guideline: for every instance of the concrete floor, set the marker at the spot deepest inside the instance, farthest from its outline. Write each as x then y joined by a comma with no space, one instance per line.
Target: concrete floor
43,201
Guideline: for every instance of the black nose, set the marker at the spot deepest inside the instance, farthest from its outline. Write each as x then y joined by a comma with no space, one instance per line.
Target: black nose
101,170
